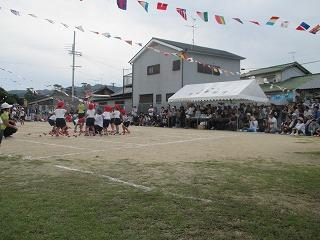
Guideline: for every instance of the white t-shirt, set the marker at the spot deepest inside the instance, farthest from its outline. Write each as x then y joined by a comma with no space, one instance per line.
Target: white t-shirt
106,115
98,120
112,115
273,123
254,125
150,111
22,113
52,117
116,114
90,113
60,112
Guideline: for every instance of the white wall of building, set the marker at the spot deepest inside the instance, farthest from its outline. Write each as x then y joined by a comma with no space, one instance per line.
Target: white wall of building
169,81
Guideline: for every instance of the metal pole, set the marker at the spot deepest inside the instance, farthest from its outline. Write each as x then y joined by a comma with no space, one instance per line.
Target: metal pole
123,81
73,61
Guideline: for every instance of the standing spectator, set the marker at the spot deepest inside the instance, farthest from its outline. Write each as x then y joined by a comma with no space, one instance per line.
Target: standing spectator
134,113
8,127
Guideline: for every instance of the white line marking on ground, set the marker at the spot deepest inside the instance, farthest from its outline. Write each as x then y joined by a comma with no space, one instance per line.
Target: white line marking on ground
112,179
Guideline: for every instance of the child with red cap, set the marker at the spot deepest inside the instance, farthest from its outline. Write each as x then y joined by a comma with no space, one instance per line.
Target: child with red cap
106,118
117,119
90,120
60,113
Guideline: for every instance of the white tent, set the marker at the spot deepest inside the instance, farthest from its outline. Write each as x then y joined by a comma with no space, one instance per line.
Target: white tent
240,91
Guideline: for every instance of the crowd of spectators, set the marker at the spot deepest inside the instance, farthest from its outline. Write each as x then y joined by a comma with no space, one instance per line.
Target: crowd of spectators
298,118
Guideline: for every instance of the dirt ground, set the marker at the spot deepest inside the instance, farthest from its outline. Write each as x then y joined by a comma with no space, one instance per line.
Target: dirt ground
149,144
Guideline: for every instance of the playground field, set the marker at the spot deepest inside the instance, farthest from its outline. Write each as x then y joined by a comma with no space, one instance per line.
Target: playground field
159,183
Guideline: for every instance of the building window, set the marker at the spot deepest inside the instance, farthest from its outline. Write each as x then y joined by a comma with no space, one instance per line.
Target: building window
168,95
202,68
146,98
158,99
154,69
176,65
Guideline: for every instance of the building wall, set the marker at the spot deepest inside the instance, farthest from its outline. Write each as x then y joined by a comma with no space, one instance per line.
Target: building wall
291,72
271,77
169,81
127,103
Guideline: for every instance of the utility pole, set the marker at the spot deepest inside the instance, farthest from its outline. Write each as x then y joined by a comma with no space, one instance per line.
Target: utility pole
193,26
123,78
74,53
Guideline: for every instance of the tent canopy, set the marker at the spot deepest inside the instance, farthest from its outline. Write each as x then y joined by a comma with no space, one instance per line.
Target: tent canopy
241,90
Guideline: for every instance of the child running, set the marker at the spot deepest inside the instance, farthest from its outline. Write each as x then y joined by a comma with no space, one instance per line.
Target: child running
106,118
90,120
112,120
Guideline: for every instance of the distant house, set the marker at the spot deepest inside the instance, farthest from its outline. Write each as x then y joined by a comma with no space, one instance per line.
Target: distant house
105,90
307,86
156,77
123,96
278,73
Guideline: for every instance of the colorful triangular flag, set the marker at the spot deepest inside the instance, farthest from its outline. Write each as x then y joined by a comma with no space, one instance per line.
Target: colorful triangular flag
315,29
255,22
272,20
80,28
303,27
139,44
15,12
238,20
162,6
118,38
203,16
220,19
145,5
129,42
122,4
285,24
182,12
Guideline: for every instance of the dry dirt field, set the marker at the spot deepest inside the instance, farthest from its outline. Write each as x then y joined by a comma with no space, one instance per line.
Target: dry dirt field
149,144
159,183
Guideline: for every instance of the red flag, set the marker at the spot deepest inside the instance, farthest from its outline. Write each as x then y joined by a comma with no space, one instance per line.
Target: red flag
162,6
182,12
255,22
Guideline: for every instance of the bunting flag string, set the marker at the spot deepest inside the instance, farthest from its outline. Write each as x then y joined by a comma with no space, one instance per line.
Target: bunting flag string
303,26
122,4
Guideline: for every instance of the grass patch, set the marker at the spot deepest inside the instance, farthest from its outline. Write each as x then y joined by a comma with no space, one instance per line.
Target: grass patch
249,201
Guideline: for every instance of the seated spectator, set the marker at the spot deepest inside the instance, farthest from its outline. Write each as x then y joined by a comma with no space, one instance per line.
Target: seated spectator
9,126
312,128
272,124
299,128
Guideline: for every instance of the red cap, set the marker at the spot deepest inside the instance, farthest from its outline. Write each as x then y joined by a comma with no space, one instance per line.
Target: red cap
107,108
60,104
91,106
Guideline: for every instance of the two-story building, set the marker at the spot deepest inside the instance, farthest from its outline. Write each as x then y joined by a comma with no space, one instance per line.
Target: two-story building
156,77
278,73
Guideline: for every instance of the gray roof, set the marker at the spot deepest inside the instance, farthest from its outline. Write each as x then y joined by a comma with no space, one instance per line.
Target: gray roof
202,50
191,48
276,68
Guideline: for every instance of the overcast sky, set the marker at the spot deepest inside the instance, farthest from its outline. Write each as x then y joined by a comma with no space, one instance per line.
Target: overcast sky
36,50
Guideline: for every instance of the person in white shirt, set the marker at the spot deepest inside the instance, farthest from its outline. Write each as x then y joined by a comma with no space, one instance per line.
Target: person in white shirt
98,123
253,124
117,117
90,120
106,118
60,113
299,128
22,116
126,122
112,120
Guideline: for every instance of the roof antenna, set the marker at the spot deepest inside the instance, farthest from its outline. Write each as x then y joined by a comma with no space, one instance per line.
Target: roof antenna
193,26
